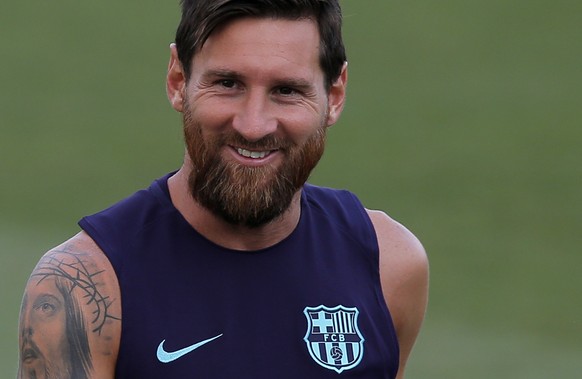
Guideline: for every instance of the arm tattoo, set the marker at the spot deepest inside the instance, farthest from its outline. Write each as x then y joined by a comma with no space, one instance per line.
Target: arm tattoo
57,265
54,339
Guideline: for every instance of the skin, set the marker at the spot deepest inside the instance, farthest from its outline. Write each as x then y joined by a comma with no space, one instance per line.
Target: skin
240,80
404,276
259,77
43,324
92,295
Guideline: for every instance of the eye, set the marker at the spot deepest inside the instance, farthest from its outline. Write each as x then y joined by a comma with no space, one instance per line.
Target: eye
227,83
286,91
46,309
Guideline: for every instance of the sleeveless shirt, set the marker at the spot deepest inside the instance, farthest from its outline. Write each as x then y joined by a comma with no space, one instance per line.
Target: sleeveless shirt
310,306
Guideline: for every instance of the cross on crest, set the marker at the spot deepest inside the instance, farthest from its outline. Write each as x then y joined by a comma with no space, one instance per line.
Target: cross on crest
333,338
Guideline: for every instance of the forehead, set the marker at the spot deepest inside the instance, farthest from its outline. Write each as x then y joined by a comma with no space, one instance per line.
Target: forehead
267,43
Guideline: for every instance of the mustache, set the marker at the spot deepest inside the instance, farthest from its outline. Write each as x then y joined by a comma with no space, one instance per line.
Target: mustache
30,350
268,142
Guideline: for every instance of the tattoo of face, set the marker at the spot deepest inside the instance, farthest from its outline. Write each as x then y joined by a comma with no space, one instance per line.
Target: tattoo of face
54,337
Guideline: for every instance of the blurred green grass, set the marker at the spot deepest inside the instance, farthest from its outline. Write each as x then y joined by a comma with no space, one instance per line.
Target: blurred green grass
462,122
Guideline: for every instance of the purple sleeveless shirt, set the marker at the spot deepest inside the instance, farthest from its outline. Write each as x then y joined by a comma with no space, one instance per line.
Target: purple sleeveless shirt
310,306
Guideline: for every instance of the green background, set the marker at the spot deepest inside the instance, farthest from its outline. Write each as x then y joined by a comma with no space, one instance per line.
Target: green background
462,122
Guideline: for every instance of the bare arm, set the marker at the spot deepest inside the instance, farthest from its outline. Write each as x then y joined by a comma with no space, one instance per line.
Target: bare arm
404,276
70,319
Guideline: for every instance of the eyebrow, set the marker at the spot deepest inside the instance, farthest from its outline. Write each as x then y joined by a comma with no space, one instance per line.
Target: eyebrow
222,73
296,83
45,297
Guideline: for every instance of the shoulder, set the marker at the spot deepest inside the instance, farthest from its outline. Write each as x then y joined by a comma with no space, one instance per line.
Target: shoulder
337,204
404,276
400,250
318,194
70,319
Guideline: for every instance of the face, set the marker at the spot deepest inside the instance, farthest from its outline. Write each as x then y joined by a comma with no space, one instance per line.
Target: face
44,346
255,115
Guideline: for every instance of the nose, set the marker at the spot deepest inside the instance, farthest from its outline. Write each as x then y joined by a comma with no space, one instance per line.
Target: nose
254,119
27,332
26,326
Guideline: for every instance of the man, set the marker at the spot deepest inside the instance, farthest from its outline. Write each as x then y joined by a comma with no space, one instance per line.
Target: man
233,266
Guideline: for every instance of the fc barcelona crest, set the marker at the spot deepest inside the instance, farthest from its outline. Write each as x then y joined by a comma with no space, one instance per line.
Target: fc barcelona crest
333,338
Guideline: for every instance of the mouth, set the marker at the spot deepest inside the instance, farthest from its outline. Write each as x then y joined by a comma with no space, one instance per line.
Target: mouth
254,154
29,355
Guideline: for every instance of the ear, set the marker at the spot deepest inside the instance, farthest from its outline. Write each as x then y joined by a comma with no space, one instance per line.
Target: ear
337,96
175,80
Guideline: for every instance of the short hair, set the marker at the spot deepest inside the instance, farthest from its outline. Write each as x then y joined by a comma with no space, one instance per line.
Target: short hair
201,17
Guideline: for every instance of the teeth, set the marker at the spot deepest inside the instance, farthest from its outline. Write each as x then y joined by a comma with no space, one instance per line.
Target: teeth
252,154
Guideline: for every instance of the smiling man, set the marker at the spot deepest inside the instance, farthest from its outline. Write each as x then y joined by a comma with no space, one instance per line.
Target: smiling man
233,266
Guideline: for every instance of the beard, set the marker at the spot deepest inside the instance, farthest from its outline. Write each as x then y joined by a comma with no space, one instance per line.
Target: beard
247,195
43,368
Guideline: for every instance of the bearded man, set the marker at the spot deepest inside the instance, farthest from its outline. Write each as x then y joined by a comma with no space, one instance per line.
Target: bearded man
233,266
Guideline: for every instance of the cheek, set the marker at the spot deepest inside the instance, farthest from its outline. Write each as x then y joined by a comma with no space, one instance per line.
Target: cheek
214,116
300,126
52,330
210,113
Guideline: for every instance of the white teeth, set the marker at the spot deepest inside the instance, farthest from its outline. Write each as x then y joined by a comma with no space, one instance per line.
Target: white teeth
252,154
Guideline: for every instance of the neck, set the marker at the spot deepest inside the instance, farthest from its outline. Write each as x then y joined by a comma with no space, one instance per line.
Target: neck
217,230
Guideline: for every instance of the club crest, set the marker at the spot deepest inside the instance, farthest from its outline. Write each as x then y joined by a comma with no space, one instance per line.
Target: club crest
333,338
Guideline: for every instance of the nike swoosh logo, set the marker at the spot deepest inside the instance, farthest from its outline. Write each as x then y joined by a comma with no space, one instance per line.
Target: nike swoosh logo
166,357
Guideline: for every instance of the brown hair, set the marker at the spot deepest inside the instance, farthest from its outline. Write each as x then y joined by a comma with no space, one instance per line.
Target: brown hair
201,17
